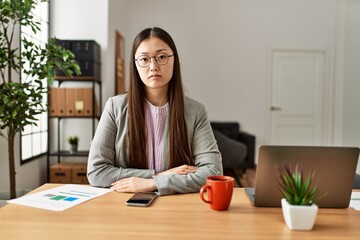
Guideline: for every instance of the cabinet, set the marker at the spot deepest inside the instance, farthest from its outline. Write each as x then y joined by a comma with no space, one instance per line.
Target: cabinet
58,148
74,108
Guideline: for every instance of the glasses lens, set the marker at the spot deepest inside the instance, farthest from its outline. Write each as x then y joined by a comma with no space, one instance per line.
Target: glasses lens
162,59
143,61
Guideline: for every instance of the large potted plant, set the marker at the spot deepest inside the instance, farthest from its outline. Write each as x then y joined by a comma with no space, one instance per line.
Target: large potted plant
299,197
21,100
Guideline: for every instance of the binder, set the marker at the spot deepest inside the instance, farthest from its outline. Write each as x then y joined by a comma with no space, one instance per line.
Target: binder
70,101
79,102
53,111
88,101
61,107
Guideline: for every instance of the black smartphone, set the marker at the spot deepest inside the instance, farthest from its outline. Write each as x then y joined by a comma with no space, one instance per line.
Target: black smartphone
141,199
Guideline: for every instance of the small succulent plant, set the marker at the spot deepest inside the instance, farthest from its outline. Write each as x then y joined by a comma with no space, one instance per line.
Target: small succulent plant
73,140
295,187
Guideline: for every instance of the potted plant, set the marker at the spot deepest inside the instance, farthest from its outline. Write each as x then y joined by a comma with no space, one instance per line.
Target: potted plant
73,141
299,203
23,73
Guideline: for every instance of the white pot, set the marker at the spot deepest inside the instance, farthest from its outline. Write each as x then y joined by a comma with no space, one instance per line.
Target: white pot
299,217
73,148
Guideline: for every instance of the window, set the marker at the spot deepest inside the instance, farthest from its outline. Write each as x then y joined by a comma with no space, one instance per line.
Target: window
34,139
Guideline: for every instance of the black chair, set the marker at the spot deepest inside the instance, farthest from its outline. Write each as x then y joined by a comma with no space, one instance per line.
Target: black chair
357,182
237,147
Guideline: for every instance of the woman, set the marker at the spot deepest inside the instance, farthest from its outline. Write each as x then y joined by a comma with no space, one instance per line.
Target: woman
153,138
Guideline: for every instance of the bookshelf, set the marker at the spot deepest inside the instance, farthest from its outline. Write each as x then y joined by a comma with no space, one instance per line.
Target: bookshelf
56,121
73,99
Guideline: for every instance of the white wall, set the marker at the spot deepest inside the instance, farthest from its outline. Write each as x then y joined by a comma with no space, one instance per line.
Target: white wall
211,34
224,48
28,176
351,111
82,19
351,130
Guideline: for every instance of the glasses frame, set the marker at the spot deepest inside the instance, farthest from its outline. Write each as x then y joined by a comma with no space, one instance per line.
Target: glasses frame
153,57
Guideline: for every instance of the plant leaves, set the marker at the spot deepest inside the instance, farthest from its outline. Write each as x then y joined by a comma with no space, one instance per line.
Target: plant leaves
296,189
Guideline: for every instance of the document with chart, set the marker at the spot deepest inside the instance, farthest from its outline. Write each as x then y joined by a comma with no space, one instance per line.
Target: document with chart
355,200
60,198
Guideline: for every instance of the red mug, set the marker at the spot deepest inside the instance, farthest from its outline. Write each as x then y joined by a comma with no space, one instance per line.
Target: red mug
219,191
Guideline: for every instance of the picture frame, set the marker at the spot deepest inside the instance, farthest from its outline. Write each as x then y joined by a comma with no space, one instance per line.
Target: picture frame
119,63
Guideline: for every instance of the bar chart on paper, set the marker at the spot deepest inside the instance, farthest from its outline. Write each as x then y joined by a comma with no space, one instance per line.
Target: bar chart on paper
60,198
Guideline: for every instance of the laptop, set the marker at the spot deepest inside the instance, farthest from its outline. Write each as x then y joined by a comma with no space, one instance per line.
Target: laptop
335,169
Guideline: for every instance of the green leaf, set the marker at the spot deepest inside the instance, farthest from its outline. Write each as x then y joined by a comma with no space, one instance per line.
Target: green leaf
294,187
22,102
65,56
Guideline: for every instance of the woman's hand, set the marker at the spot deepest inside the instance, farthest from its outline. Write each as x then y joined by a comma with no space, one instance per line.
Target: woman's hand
183,169
134,184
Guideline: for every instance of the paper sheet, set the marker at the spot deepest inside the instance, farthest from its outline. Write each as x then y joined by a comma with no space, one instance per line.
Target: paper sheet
355,201
60,198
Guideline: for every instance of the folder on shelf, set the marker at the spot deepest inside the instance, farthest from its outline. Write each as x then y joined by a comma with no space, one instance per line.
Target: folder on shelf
91,106
79,102
88,101
53,111
61,107
70,101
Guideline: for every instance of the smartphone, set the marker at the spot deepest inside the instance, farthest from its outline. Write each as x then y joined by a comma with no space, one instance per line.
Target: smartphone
141,199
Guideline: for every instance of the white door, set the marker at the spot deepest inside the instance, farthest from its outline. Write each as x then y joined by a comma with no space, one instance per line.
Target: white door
297,101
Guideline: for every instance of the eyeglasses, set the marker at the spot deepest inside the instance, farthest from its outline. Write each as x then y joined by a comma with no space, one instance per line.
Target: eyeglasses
161,59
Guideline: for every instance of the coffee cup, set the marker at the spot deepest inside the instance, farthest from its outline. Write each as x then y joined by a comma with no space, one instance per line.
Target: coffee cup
219,191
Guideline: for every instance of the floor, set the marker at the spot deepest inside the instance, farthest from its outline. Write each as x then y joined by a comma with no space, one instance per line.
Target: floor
248,178
4,196
2,203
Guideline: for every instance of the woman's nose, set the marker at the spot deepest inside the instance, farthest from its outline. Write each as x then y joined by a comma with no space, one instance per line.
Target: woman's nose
153,64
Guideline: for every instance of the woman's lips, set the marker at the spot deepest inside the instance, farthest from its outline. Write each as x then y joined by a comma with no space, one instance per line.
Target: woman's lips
155,76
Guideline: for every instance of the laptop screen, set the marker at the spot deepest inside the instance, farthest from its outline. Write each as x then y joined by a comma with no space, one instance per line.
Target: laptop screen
334,167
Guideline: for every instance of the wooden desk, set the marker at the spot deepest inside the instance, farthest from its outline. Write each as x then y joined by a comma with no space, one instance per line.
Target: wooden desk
170,217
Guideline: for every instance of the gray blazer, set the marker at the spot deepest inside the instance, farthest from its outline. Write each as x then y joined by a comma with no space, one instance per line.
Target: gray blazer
107,161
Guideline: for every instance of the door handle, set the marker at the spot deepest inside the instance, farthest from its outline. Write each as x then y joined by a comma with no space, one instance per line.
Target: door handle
273,108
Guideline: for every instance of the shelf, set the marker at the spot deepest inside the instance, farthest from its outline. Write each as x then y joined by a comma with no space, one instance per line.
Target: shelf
68,154
70,95
77,78
82,117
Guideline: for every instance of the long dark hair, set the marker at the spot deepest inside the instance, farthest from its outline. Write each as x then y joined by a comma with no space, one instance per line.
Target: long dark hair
180,152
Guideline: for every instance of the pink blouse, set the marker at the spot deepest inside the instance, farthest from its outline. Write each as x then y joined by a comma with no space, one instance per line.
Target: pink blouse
155,119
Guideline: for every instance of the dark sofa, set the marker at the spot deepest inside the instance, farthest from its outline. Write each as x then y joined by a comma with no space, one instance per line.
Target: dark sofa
236,146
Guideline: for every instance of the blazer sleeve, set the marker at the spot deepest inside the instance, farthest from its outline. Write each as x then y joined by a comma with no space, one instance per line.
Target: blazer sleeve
205,153
106,161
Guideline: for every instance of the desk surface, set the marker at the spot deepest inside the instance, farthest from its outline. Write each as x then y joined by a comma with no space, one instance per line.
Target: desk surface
169,217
